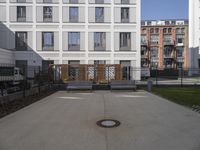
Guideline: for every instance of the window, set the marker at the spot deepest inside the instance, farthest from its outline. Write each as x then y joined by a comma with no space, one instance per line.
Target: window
99,41
168,63
165,30
73,1
167,39
73,14
47,41
179,39
143,51
21,41
154,39
99,14
152,30
124,15
99,1
125,41
179,51
47,1
47,14
143,39
157,30
154,52
170,30
21,13
125,1
74,41
21,1
168,52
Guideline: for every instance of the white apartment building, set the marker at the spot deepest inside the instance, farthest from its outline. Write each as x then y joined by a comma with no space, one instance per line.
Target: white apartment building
72,31
194,33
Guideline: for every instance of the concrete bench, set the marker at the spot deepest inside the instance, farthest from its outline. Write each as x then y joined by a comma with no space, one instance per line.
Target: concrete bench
123,85
79,85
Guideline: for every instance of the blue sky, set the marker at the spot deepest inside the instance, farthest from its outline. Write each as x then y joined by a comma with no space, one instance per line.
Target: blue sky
164,9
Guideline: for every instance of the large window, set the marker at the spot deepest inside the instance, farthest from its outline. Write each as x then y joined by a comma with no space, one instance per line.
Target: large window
47,13
125,41
180,39
73,14
47,41
99,1
21,1
21,13
154,52
47,1
125,14
99,14
179,51
125,1
21,41
168,39
99,41
73,1
74,41
168,52
154,39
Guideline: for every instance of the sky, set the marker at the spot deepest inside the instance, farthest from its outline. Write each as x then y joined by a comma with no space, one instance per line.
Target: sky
164,9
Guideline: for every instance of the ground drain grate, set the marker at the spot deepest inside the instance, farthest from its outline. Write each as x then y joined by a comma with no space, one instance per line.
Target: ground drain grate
108,123
196,108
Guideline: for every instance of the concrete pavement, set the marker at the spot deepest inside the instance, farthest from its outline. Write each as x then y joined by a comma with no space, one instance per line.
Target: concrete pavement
67,121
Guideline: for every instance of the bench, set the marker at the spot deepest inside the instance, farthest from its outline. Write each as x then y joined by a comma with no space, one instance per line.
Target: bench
123,85
79,85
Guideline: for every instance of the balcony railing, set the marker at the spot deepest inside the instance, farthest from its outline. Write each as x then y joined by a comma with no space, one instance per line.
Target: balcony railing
168,42
168,55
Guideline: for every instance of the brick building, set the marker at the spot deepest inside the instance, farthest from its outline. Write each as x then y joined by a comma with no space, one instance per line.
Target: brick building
164,44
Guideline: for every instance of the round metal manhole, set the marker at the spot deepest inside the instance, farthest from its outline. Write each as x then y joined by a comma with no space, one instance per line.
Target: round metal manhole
108,123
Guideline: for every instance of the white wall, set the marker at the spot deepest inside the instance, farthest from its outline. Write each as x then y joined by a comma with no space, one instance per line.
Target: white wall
86,26
194,32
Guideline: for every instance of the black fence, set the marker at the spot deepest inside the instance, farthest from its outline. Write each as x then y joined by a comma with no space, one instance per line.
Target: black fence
181,76
21,79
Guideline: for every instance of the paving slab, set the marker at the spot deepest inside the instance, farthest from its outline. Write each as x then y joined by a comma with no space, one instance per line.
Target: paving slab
67,121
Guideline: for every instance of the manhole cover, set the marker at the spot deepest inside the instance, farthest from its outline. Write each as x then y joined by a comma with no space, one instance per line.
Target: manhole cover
108,123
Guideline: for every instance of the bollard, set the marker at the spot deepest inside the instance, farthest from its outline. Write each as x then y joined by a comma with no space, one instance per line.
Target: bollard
149,85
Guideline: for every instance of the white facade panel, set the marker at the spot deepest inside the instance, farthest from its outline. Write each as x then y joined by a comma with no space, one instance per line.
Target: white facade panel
194,33
55,14
2,13
65,14
13,13
29,14
39,14
91,17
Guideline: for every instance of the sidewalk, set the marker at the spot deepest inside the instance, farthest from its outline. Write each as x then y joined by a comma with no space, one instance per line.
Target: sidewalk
67,121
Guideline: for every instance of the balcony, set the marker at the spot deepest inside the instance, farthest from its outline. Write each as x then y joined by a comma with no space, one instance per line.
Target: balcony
168,42
170,55
154,59
180,59
154,42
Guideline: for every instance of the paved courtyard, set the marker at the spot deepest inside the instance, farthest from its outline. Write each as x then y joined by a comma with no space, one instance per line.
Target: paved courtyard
67,121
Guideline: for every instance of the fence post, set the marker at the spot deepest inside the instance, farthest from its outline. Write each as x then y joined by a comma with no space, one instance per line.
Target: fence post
181,77
39,80
24,82
156,76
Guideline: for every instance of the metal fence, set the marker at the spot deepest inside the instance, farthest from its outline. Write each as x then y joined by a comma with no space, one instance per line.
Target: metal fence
181,76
